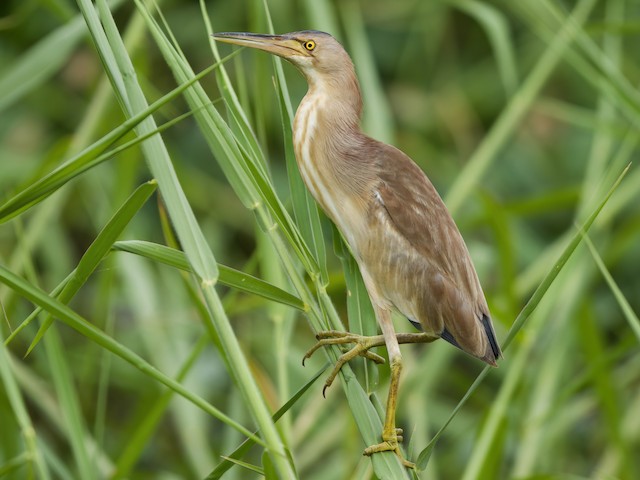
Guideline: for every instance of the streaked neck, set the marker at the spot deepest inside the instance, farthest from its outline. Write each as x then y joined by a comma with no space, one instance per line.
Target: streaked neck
337,96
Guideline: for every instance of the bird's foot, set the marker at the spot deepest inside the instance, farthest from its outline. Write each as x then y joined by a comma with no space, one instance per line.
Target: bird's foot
361,347
390,443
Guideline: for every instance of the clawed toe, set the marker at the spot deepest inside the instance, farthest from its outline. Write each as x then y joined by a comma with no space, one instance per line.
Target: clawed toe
361,347
391,437
390,443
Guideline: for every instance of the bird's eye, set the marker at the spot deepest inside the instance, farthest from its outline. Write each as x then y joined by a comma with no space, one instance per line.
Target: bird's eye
309,45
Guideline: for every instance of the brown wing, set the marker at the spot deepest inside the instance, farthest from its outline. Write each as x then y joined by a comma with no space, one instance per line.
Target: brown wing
450,302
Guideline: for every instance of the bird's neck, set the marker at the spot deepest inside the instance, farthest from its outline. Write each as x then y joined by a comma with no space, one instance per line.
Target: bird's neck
337,99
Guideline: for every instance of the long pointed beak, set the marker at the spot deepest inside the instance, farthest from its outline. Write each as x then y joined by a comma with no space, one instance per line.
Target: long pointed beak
281,45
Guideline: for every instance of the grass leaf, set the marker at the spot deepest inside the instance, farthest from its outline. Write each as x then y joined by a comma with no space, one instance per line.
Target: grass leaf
75,321
228,276
524,315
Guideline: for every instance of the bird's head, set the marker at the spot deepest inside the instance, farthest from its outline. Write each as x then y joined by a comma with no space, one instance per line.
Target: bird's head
316,54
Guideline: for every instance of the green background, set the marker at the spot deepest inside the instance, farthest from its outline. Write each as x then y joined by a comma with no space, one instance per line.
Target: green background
523,114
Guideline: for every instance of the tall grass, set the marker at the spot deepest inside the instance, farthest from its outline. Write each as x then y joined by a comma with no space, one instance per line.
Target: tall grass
164,269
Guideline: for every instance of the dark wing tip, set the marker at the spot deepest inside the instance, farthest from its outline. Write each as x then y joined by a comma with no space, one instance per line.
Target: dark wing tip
446,335
493,352
491,336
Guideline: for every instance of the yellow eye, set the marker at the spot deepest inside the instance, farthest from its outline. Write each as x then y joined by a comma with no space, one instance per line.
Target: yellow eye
309,45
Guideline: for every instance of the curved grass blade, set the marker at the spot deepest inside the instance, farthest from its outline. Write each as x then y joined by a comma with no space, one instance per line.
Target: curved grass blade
98,250
239,452
523,316
516,109
82,326
42,61
37,311
496,27
632,318
228,276
191,237
92,155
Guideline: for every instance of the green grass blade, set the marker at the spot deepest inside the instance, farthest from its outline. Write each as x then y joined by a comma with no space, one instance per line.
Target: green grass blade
82,326
228,276
37,311
524,315
495,25
629,314
68,399
99,249
515,110
93,155
42,61
249,466
191,237
13,397
239,452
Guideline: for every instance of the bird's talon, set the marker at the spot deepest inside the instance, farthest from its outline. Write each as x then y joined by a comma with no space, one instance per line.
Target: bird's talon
390,445
374,357
361,347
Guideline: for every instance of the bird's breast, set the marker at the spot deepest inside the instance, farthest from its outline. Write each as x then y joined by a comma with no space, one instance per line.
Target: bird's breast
304,131
319,168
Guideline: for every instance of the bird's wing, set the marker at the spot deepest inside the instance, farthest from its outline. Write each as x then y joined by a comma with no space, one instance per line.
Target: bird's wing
452,295
419,215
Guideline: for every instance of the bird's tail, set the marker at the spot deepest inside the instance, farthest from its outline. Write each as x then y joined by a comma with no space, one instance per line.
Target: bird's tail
492,353
495,353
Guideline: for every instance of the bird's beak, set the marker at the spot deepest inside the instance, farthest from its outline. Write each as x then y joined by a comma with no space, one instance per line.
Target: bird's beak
281,45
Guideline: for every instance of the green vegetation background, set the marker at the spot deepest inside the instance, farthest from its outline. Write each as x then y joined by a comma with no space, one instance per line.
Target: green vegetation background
523,114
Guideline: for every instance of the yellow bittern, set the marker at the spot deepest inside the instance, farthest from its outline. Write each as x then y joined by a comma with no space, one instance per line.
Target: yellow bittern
409,250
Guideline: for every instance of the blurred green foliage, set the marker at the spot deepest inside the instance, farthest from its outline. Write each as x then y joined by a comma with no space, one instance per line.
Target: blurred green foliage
521,116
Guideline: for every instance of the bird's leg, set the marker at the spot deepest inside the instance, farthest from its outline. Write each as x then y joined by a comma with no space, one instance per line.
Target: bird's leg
391,436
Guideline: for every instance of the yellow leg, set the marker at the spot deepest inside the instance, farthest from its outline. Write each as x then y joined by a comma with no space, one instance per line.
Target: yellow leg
391,436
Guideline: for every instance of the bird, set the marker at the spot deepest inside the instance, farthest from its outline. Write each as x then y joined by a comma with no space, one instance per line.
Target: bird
410,253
